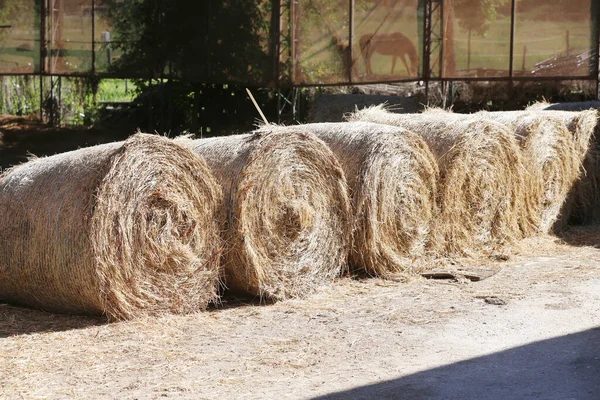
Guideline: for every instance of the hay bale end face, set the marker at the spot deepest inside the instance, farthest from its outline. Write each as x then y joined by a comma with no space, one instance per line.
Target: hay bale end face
393,177
552,159
122,229
287,224
481,194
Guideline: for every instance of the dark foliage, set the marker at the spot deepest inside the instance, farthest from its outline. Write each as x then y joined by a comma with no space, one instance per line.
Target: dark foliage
200,41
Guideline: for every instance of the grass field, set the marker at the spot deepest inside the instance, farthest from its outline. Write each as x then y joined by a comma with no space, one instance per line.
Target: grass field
540,32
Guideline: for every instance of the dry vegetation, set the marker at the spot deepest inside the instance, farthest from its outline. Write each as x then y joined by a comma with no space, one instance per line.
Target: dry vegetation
288,213
482,195
552,159
583,204
122,229
393,178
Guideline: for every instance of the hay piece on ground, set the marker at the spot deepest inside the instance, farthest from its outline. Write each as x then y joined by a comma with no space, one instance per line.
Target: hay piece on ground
583,202
333,107
481,194
287,204
122,229
553,160
392,176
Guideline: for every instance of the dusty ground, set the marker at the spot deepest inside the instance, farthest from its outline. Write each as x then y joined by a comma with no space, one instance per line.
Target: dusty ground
531,331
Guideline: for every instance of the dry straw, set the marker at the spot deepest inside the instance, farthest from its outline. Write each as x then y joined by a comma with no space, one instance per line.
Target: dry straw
287,224
122,229
481,194
583,203
553,160
392,176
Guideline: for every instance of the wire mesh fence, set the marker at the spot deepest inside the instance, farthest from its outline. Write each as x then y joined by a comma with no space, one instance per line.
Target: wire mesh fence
301,43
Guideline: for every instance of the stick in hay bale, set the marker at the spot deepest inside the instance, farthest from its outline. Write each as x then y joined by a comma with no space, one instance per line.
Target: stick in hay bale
392,176
482,189
287,226
583,202
122,229
554,162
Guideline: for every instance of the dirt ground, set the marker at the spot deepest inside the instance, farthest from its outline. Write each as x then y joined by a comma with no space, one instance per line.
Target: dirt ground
530,331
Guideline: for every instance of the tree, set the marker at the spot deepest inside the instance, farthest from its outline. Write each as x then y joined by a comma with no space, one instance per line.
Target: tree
202,41
477,15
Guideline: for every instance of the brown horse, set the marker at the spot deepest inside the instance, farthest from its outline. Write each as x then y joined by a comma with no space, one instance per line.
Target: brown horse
390,44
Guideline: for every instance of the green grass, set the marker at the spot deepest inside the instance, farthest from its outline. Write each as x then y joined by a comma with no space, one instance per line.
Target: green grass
116,90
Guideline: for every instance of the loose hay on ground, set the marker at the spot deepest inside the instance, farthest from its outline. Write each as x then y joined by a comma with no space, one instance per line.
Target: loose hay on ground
554,162
122,229
287,224
583,202
392,176
481,194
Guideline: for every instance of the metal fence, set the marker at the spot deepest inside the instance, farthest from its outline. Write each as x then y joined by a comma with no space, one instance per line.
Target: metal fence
358,41
337,42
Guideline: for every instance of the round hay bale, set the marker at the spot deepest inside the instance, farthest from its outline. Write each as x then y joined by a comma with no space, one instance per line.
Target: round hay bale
583,202
287,225
392,176
553,160
122,229
481,194
333,107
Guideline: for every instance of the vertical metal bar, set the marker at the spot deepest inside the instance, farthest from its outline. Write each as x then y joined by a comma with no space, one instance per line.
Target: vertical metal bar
51,100
59,114
276,41
596,15
93,37
512,37
293,38
441,7
43,51
349,54
426,44
469,52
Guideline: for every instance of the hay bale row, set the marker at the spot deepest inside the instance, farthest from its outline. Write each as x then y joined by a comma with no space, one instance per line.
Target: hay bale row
482,190
392,176
148,226
122,229
287,210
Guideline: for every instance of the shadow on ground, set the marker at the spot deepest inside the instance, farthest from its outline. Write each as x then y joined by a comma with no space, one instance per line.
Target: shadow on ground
567,367
581,235
16,321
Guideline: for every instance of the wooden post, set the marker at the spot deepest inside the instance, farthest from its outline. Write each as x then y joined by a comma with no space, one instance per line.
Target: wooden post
348,54
469,52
